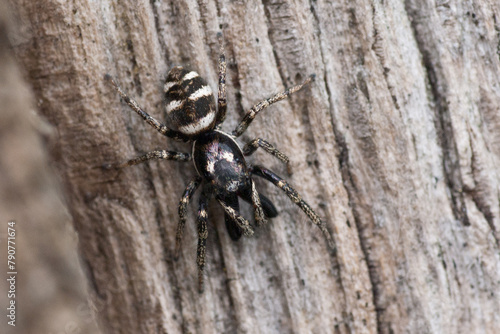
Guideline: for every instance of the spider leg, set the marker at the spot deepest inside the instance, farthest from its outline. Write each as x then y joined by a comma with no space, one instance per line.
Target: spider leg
250,115
295,197
232,227
202,238
268,206
153,155
270,210
252,146
251,195
242,223
186,197
160,127
221,97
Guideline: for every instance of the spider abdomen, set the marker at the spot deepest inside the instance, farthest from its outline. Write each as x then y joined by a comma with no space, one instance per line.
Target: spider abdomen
189,102
219,160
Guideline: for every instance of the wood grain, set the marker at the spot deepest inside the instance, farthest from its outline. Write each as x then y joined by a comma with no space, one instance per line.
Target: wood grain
396,144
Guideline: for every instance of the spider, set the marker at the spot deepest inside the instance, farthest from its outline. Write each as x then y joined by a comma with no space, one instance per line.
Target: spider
219,161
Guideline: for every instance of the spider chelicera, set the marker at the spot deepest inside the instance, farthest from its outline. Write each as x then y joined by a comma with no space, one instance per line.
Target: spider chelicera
219,161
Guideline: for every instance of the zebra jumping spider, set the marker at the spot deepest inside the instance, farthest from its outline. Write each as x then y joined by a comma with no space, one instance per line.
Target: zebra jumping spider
218,159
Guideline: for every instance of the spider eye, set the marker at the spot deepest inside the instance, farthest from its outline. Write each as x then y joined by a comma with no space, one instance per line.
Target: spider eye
189,102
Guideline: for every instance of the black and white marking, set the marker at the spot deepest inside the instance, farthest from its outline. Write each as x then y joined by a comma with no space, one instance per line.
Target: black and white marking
223,173
189,102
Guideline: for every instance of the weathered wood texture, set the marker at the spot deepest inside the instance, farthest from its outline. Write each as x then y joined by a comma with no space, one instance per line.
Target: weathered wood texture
397,144
49,291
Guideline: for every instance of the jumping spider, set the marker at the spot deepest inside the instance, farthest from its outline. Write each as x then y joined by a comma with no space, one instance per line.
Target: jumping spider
219,161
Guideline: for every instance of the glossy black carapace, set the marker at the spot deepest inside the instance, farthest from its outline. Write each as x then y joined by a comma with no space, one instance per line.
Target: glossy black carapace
223,173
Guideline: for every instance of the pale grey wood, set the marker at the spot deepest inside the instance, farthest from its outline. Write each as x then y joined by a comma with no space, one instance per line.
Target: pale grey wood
43,287
396,144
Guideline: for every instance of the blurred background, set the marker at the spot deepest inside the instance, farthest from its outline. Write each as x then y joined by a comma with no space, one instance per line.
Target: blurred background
50,288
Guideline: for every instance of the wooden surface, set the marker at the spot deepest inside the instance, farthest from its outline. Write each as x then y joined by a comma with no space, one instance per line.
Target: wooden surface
396,144
48,287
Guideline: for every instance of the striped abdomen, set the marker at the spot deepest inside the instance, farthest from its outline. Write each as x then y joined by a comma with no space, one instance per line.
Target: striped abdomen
189,102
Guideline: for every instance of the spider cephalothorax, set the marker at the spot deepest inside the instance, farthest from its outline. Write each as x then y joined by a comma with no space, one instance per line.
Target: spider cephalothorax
218,159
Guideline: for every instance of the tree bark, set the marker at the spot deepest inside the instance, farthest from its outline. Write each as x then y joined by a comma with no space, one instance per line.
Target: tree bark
43,288
396,144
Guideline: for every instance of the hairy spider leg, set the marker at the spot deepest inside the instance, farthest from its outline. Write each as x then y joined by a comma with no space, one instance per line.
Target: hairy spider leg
160,127
153,155
295,197
251,195
269,209
250,115
221,96
242,223
252,146
186,197
232,227
202,238
260,217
